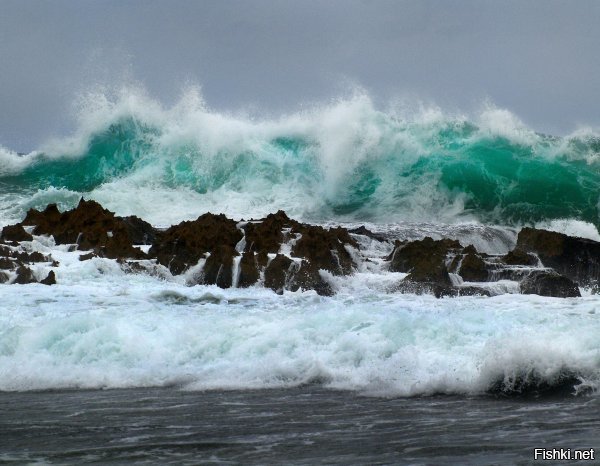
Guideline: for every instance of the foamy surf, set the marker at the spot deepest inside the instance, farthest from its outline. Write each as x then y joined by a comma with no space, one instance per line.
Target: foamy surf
404,175
343,161
101,327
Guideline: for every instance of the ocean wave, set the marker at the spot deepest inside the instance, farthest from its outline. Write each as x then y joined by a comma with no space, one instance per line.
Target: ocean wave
152,333
347,161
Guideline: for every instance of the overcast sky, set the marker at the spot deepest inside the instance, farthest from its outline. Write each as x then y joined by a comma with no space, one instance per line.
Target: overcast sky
540,59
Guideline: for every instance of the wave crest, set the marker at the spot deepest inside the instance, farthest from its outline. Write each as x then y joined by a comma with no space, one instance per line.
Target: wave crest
347,161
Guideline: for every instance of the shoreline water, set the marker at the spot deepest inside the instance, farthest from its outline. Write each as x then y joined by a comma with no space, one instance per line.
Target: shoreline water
305,425
117,316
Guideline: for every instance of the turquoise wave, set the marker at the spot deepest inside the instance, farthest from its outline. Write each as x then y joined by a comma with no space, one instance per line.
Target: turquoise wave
380,169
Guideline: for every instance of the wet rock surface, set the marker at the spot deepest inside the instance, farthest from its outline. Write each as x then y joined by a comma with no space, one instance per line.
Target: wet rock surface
576,258
549,283
89,226
182,246
16,262
15,233
248,273
50,279
424,260
430,263
473,268
286,255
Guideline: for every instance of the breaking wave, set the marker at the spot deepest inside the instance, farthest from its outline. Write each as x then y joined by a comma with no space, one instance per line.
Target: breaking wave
347,161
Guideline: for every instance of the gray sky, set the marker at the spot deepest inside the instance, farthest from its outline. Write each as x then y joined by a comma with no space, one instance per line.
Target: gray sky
540,59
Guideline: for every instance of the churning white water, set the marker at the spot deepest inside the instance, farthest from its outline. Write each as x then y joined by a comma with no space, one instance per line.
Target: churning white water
102,327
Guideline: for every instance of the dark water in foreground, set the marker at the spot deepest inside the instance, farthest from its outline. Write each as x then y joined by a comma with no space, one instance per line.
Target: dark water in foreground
296,426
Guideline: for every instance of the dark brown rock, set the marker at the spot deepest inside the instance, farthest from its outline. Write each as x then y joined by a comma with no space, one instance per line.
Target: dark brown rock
15,233
248,274
4,277
473,268
6,263
218,267
307,277
325,248
266,235
45,221
283,273
576,258
140,231
277,271
549,283
472,291
34,256
24,276
436,289
519,257
183,245
50,279
364,231
424,260
87,257
89,225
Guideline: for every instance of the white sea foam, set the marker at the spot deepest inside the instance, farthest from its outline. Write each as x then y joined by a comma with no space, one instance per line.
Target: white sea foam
571,227
346,160
101,327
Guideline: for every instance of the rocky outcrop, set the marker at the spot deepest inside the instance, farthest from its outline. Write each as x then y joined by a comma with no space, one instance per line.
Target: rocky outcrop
248,273
472,267
220,241
429,263
311,249
182,246
50,279
549,283
283,273
218,268
140,232
15,262
519,257
15,233
283,254
364,231
576,258
89,226
24,276
265,236
424,260
325,248
277,271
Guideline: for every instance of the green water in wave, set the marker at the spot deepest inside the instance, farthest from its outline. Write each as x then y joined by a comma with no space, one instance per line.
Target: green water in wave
492,178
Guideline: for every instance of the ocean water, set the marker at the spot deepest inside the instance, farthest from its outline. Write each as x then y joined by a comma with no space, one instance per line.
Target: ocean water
301,426
115,367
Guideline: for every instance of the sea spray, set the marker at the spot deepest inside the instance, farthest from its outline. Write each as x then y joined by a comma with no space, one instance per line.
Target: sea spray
346,161
104,331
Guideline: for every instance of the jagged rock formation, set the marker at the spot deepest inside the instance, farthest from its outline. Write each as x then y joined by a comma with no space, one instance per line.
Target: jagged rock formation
575,258
90,226
549,283
15,263
219,241
430,263
182,246
283,254
15,233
